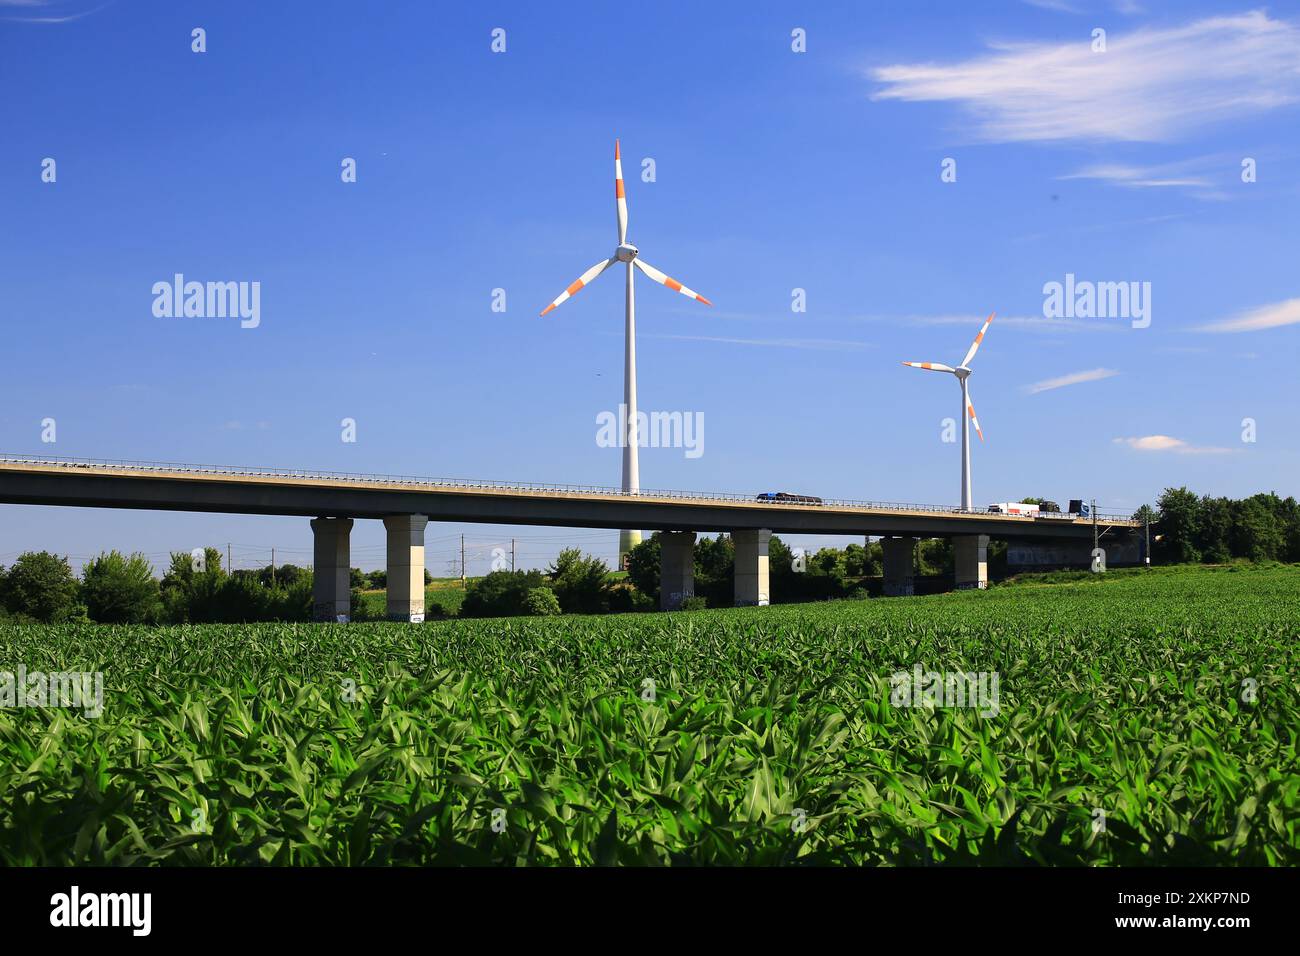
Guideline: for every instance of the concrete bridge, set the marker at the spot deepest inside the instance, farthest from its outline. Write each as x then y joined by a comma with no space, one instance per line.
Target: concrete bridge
406,504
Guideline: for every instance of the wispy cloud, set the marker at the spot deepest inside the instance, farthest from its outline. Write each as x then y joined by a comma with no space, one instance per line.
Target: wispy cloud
1136,176
1154,443
1060,6
812,344
1206,177
1074,378
51,17
1027,323
1253,320
1151,84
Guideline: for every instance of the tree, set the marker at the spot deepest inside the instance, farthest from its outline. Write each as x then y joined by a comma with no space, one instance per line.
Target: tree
40,585
781,577
1214,535
1257,532
935,557
191,589
580,582
1180,526
287,575
119,590
1044,504
861,561
643,567
715,560
1291,530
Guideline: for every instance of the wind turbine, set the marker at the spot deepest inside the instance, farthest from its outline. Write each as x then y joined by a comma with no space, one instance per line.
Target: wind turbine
630,254
962,372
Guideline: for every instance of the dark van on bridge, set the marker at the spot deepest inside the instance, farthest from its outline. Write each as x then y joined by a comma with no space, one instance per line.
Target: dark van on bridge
785,496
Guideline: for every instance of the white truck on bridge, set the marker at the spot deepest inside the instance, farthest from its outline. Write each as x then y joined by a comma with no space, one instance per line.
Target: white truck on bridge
1014,508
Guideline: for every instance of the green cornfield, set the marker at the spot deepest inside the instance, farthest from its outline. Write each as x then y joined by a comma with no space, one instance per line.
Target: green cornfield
1147,718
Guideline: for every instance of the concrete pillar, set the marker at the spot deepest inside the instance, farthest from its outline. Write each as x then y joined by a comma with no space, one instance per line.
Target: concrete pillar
971,559
676,569
899,565
406,567
751,567
331,567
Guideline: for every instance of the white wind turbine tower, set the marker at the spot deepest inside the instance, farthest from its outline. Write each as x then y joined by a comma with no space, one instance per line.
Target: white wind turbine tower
962,372
628,253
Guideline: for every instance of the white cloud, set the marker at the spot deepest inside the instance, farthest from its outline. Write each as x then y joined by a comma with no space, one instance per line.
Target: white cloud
1263,317
1168,443
1074,378
1151,84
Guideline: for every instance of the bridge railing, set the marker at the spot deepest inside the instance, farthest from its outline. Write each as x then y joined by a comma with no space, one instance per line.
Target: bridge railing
486,485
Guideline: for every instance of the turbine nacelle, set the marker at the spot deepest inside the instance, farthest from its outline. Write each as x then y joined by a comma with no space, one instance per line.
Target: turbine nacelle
626,252
962,372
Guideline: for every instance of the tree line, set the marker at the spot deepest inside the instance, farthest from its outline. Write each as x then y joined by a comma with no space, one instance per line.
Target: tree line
1188,528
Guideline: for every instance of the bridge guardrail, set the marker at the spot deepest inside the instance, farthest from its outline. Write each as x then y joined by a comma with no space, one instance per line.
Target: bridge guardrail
476,483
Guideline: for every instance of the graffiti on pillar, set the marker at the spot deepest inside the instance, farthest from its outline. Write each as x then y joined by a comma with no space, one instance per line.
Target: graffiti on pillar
1098,560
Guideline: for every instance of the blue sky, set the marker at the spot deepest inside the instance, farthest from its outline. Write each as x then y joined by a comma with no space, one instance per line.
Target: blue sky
775,171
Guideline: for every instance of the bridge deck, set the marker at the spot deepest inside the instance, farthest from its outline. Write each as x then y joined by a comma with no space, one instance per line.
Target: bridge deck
205,488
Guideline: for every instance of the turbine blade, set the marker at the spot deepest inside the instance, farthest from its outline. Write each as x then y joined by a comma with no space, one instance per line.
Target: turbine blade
620,195
582,280
975,346
970,410
662,279
931,366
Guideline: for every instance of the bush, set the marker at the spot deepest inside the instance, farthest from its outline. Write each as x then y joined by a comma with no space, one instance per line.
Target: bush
624,598
695,603
361,609
40,586
295,601
541,602
212,596
119,590
500,594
